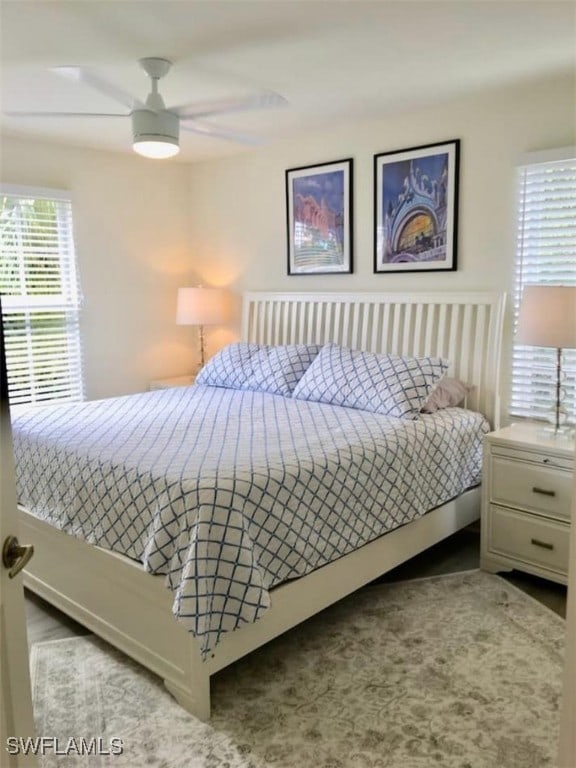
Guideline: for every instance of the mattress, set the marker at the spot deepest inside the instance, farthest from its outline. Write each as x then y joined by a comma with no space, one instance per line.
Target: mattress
231,493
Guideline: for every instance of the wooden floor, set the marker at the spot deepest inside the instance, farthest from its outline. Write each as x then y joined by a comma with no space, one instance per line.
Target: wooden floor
47,623
460,552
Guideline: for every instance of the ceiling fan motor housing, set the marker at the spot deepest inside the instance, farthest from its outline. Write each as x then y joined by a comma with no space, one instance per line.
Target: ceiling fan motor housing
148,125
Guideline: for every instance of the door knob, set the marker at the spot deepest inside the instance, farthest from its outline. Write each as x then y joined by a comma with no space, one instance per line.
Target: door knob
15,555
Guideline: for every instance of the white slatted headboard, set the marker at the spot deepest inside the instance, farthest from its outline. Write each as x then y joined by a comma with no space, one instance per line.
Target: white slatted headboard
465,328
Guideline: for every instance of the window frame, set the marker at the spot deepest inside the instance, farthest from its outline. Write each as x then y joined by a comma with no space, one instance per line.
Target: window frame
67,304
529,393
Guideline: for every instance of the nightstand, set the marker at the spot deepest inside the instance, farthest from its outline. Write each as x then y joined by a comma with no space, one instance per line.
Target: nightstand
175,381
526,501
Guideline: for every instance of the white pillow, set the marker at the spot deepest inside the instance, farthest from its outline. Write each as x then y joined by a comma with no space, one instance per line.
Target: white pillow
274,369
386,384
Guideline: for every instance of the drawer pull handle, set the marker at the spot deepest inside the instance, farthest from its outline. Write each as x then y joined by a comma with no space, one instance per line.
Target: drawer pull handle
543,544
543,491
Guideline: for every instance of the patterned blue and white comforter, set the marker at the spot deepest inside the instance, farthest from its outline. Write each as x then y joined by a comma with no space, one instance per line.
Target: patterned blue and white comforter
230,493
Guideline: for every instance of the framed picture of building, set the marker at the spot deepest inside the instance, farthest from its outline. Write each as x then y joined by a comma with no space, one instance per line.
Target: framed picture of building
319,218
416,208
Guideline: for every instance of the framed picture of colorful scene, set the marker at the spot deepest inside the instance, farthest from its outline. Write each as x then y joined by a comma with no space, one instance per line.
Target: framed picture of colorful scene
319,216
416,208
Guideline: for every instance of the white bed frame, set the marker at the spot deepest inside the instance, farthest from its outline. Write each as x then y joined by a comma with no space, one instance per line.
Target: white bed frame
116,599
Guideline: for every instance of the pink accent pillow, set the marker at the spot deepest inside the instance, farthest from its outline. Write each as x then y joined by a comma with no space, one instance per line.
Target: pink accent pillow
448,393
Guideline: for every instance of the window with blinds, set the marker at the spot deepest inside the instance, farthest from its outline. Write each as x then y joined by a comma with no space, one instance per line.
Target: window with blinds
545,255
40,296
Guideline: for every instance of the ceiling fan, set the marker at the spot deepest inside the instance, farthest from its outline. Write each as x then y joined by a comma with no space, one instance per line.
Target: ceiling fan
156,129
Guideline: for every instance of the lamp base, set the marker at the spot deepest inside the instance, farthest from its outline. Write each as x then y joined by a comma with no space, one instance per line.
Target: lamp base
559,426
565,432
202,348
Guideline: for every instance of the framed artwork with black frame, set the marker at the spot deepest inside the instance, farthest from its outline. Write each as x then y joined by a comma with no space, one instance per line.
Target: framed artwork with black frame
416,208
319,218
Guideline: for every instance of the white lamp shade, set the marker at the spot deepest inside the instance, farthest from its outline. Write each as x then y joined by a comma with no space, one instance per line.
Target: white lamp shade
201,306
548,316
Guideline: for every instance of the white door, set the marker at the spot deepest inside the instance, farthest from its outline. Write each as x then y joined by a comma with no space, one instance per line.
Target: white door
15,699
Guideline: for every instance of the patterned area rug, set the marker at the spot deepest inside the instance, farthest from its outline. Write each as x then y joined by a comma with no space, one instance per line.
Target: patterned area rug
458,671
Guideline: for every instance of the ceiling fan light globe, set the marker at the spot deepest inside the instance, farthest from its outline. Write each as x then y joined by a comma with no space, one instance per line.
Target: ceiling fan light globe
155,134
155,148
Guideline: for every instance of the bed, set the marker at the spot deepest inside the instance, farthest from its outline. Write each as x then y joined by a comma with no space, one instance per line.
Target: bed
117,596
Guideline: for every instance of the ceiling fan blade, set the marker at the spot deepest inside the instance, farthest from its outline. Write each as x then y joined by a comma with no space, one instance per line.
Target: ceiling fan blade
66,114
220,133
87,77
259,100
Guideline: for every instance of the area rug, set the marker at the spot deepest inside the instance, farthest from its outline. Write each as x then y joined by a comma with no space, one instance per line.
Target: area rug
458,671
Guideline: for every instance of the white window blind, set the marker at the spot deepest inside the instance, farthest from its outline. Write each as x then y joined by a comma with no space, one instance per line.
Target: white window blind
40,296
545,255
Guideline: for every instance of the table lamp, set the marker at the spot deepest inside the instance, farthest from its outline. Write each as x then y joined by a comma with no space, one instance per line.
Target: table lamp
201,306
548,319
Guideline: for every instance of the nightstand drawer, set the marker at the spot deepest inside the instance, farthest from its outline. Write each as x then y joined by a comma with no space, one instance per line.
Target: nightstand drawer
534,487
537,457
543,543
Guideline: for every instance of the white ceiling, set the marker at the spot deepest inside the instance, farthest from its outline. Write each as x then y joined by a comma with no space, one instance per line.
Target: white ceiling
332,59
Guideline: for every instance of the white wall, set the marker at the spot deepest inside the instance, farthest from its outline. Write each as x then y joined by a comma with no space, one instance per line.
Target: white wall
238,209
144,228
132,235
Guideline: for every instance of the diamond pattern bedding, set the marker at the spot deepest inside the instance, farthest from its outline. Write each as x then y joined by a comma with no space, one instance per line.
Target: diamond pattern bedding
274,369
230,493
